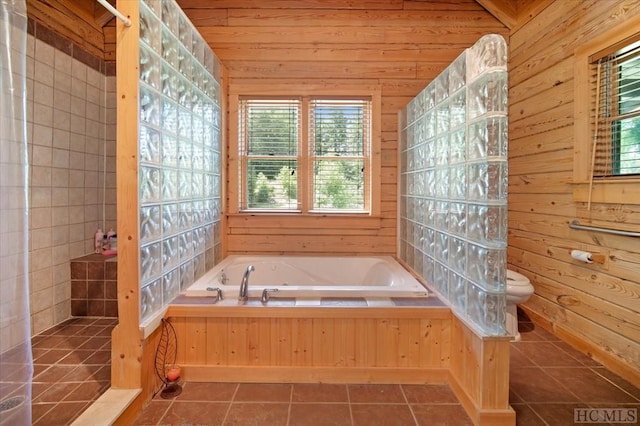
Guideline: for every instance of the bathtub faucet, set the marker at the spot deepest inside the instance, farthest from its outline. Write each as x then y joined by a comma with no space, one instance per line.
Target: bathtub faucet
243,296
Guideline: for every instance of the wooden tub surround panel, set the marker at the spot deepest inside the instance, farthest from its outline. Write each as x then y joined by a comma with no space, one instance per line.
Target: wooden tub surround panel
407,345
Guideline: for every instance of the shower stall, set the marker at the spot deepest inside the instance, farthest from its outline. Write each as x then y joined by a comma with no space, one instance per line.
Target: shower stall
16,365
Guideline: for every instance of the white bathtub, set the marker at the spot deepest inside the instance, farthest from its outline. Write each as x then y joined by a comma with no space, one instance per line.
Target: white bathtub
311,277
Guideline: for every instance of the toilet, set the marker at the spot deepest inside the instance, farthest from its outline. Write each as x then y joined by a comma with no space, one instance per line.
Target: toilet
519,289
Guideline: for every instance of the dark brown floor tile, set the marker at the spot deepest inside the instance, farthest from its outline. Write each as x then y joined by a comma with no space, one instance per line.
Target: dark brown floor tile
382,414
85,320
91,330
388,394
326,414
546,354
589,386
106,321
77,356
257,414
530,332
52,356
56,392
202,413
103,373
87,391
195,391
514,398
152,413
99,358
532,384
263,392
82,373
69,330
319,392
38,352
62,414
39,368
579,356
429,394
441,415
525,416
71,342
48,342
517,358
39,410
53,373
38,389
95,343
619,381
556,414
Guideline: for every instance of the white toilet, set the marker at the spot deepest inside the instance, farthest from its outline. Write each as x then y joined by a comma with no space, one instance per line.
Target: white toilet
519,289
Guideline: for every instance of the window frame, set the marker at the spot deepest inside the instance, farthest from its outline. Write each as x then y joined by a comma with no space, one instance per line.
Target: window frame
304,91
611,189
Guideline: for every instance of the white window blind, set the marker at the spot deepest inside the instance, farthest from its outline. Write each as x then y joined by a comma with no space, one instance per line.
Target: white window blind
617,119
269,137
341,139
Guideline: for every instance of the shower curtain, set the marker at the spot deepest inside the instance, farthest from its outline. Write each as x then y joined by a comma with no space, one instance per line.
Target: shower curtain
16,365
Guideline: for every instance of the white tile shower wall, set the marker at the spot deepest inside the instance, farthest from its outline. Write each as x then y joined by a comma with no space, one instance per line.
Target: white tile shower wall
71,139
179,151
453,184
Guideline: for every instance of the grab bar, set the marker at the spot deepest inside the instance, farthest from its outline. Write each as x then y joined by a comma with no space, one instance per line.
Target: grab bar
574,224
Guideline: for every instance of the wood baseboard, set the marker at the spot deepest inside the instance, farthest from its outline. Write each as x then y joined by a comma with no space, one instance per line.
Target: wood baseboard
272,374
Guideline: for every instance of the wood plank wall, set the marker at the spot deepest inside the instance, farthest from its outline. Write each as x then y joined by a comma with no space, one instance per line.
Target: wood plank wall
81,21
596,307
400,45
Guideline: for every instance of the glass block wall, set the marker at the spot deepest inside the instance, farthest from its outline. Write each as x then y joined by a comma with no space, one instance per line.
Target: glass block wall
179,152
453,184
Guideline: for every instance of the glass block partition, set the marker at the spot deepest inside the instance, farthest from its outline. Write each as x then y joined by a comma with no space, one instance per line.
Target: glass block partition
179,154
453,184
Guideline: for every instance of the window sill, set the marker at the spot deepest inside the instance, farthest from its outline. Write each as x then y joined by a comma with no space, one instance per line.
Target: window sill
304,220
614,191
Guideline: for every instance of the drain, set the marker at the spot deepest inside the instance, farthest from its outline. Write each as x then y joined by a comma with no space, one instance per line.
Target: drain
9,403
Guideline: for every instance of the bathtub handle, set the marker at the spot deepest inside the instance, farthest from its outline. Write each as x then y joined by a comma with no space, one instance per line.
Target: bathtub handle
218,291
265,294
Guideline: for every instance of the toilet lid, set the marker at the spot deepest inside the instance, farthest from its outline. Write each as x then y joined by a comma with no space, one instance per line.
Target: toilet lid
514,278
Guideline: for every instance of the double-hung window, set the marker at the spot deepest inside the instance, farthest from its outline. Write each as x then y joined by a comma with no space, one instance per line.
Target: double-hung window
607,116
308,154
617,118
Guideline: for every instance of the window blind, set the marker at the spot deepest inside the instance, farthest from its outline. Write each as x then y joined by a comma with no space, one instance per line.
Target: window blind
340,133
617,119
269,132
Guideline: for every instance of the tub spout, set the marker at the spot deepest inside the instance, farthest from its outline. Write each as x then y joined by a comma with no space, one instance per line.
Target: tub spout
243,296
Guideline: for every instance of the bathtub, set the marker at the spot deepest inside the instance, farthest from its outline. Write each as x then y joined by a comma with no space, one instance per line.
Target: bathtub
310,278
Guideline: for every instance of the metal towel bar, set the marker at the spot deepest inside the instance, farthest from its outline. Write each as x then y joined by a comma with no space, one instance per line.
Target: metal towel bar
574,224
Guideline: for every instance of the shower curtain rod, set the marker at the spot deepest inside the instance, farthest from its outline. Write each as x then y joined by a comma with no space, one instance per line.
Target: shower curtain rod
120,16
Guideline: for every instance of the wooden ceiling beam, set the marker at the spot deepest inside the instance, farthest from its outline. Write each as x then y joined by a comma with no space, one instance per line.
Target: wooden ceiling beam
505,11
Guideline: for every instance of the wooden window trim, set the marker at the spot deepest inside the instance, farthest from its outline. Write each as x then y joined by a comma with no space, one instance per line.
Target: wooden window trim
322,89
615,190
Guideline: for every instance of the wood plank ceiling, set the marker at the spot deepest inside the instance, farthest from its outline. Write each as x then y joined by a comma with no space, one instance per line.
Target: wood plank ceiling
89,25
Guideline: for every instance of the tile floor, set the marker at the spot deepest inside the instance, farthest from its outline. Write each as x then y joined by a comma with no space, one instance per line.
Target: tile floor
71,369
548,380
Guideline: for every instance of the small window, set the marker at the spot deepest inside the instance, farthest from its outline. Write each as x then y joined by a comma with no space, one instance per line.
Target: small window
309,154
606,166
617,119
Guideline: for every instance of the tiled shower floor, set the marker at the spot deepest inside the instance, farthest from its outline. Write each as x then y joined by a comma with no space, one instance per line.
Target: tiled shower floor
72,368
548,380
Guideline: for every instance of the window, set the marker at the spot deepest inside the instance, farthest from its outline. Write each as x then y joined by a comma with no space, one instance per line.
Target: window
305,154
606,166
617,118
